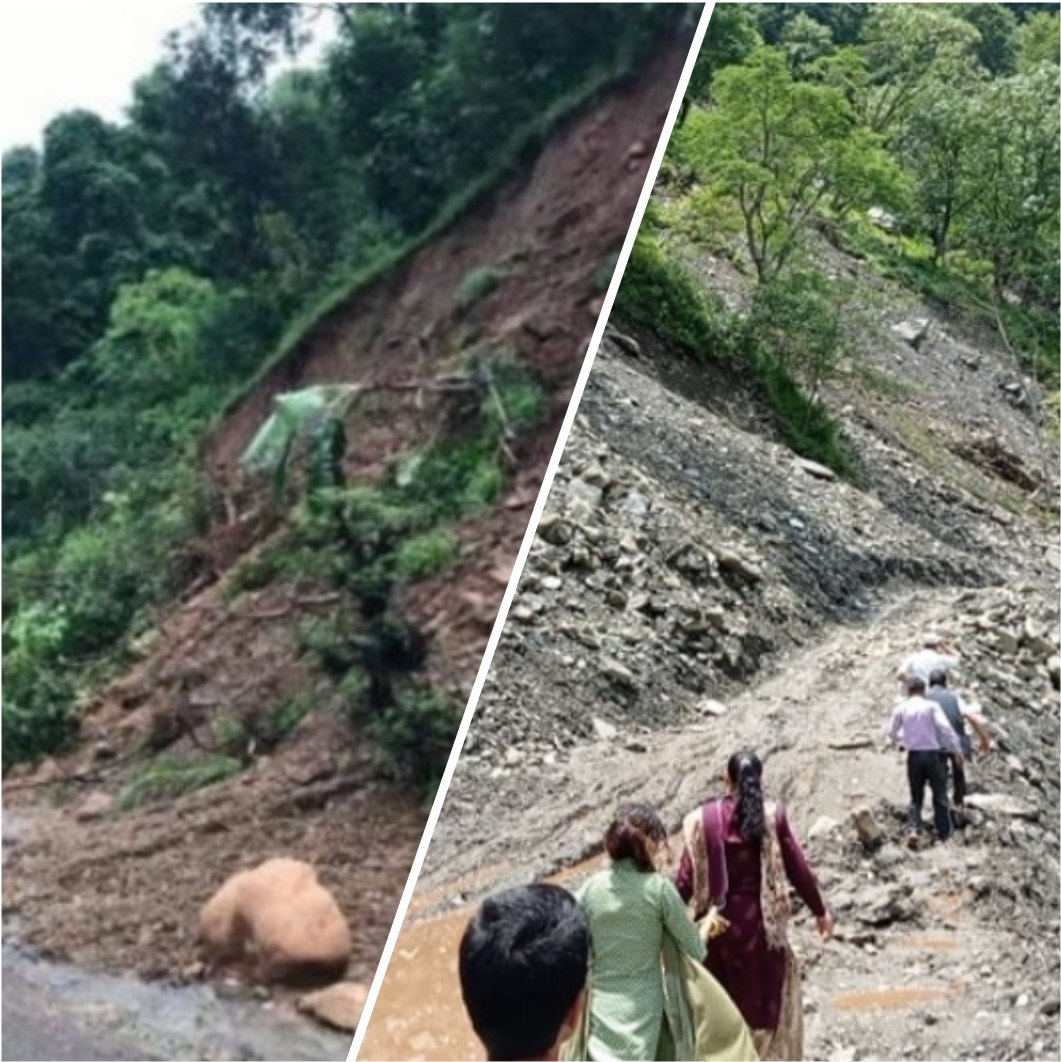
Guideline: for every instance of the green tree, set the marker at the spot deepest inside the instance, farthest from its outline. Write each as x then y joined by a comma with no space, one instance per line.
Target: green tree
777,150
797,319
1038,41
938,145
997,26
909,49
1013,221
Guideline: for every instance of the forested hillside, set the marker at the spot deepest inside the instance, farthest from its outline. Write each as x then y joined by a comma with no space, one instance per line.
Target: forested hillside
152,269
922,139
822,422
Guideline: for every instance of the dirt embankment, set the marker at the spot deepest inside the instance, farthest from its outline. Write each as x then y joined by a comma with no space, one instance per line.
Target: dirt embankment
99,887
694,588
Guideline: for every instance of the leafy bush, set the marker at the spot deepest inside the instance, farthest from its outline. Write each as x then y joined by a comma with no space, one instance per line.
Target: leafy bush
520,398
330,641
280,720
415,735
38,694
805,425
427,554
657,294
796,320
476,285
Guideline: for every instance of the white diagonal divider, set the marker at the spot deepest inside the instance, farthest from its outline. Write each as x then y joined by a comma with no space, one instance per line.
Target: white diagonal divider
521,558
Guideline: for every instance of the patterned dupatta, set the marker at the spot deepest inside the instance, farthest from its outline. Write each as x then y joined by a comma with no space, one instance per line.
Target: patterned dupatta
704,838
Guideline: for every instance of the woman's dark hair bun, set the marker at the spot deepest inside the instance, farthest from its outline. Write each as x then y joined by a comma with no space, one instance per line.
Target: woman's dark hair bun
628,837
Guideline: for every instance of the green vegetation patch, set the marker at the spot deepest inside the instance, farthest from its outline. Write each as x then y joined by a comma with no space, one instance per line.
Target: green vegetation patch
658,294
167,776
476,284
427,554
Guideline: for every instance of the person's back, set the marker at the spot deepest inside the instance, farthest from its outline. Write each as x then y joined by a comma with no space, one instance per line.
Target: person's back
623,912
948,700
919,725
629,907
935,654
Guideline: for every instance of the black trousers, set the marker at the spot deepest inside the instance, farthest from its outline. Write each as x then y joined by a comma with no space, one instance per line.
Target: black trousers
928,769
957,778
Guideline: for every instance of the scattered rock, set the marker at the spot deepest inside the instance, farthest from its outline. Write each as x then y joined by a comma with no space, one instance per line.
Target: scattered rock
881,905
870,834
94,806
812,468
619,673
913,331
711,707
1002,804
730,561
338,1005
822,826
625,342
888,223
634,504
604,730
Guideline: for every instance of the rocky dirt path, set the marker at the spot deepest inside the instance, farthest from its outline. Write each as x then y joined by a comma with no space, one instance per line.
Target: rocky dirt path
933,956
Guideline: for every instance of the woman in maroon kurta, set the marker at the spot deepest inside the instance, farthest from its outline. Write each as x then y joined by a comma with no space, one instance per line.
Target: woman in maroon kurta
739,851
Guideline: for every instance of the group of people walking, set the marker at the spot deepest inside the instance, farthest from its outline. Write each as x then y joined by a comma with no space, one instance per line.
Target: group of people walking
697,966
641,965
933,724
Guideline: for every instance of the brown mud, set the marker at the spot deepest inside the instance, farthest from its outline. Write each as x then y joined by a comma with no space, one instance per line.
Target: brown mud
120,891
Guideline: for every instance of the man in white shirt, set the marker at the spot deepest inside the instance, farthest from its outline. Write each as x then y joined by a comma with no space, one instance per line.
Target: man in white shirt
935,654
921,727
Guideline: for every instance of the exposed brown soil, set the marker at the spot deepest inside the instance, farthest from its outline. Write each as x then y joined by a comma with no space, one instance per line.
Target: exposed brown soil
123,891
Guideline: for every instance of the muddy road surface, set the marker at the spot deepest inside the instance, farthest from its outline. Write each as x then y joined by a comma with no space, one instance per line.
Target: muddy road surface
948,952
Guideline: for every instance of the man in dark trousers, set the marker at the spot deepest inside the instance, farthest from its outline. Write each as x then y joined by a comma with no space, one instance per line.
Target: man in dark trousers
958,715
920,727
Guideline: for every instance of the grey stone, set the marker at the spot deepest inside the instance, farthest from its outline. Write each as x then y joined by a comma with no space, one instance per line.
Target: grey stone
1002,804
812,468
584,491
94,806
822,826
710,706
554,530
634,504
604,730
730,561
617,672
869,831
912,331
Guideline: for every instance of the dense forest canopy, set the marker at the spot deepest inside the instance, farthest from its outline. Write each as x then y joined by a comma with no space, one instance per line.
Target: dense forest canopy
921,136
151,267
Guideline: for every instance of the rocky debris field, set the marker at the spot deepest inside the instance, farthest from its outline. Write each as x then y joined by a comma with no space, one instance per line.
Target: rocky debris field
694,587
678,555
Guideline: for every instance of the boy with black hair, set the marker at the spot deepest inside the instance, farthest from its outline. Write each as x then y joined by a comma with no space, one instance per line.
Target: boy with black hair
524,959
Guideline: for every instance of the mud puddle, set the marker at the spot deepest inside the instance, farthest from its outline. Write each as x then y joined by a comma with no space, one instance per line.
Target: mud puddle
891,998
424,968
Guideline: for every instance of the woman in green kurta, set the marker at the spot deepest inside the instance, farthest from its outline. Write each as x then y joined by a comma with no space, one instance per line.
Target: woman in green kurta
631,911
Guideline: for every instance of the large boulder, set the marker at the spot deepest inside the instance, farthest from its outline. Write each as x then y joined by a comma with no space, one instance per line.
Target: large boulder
280,918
